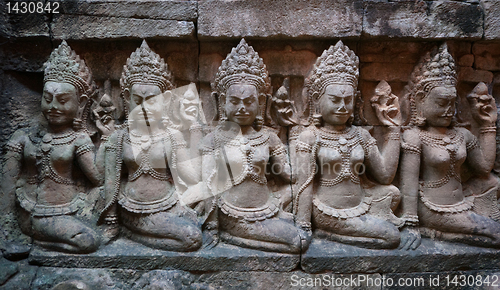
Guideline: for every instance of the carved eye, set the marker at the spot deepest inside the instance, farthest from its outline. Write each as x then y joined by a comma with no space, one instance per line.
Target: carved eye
47,97
138,100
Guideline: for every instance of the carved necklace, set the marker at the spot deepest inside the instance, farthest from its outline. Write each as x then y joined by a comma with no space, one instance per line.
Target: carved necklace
247,145
145,167
44,164
343,142
451,143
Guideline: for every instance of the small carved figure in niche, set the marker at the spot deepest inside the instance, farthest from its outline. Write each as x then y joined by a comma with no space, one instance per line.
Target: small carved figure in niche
333,155
105,113
146,153
434,153
49,168
185,115
235,157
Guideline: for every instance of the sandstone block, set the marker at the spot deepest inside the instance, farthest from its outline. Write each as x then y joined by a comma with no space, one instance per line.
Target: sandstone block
20,25
223,257
174,10
487,56
466,60
468,74
94,27
209,63
279,19
419,19
289,63
491,19
439,256
383,71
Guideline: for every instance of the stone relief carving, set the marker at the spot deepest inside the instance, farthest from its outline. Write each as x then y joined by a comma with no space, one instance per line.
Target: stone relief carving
435,152
335,198
50,167
244,211
150,155
158,180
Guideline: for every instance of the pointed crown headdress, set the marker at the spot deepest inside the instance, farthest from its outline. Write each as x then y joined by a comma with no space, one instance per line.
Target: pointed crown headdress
336,65
144,66
242,65
64,65
436,68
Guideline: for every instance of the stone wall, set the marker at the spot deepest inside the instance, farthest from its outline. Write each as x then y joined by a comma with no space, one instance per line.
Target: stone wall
195,36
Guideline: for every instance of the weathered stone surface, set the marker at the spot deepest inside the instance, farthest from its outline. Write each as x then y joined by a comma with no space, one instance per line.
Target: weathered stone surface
491,19
378,71
20,25
279,19
174,10
7,270
77,278
208,66
391,51
487,56
95,27
289,62
23,278
432,255
419,19
468,74
223,257
466,60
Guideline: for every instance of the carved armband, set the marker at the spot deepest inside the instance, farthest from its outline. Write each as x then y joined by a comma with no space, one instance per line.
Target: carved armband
306,226
367,147
393,136
412,149
410,220
13,147
473,144
303,147
486,130
83,149
279,150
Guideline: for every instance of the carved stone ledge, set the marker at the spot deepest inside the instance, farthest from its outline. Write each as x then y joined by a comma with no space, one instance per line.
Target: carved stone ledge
95,27
423,19
279,19
432,255
151,9
130,255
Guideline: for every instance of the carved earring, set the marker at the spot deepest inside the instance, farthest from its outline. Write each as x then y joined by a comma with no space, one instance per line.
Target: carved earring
258,123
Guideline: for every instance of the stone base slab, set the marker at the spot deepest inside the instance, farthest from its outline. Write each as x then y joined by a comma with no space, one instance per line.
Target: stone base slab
324,255
126,254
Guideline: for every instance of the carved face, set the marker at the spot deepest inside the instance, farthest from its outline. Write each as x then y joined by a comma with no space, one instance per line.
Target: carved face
189,106
59,103
146,103
438,108
336,105
242,104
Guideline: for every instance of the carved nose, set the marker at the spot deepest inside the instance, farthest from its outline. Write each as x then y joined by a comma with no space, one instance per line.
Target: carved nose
342,108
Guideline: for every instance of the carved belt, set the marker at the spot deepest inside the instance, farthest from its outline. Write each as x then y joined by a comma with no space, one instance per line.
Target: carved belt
270,209
40,210
466,204
163,204
344,213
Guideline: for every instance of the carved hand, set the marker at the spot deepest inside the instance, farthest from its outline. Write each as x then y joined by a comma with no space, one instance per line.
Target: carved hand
410,238
105,129
387,110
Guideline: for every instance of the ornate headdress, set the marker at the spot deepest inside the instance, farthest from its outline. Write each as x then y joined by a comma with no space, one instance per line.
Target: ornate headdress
435,68
64,65
144,66
337,65
242,65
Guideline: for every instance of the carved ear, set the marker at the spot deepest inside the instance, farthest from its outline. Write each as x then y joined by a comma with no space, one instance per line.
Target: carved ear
82,102
126,95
